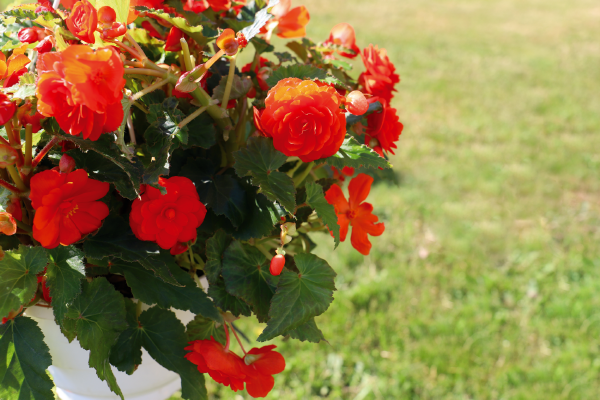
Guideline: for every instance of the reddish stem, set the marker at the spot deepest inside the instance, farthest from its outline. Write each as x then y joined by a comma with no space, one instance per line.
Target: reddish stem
10,187
44,151
237,338
4,141
226,336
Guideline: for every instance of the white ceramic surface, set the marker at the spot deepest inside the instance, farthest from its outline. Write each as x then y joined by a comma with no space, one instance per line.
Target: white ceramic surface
75,380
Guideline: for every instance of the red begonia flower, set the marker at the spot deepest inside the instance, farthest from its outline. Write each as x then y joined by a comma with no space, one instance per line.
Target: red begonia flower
261,78
7,109
303,118
356,213
383,130
219,5
45,290
196,6
171,218
343,35
83,21
222,365
67,206
29,115
8,225
14,208
261,364
380,75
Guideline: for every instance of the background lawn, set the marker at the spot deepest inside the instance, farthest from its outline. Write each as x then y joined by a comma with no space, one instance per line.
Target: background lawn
484,285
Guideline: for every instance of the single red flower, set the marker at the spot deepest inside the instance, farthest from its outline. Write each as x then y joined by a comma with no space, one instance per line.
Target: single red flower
67,206
343,35
83,21
8,225
222,365
168,219
380,75
383,130
304,119
196,6
261,364
260,77
7,109
219,5
356,213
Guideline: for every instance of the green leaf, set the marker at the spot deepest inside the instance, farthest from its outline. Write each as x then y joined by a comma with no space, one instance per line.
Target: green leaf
18,281
150,289
261,161
284,57
302,71
100,314
201,328
164,338
24,358
215,247
307,332
260,19
316,199
202,132
301,296
354,154
106,147
299,49
158,146
247,276
261,45
263,215
121,7
65,271
115,239
166,118
227,302
126,354
195,32
24,91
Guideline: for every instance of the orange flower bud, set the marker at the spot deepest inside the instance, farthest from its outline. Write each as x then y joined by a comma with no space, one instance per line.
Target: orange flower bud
356,103
28,35
83,21
8,225
8,155
226,42
66,164
277,264
106,17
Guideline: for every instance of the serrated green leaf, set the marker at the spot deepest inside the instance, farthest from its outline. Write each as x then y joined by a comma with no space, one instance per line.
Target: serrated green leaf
150,289
106,147
261,45
309,332
227,302
24,358
263,215
201,328
115,239
316,199
261,161
158,146
65,271
284,57
300,296
24,91
166,117
247,276
18,281
126,354
354,154
299,49
100,314
239,87
215,248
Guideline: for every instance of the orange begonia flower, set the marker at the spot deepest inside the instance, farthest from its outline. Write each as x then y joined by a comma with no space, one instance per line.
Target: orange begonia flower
260,77
223,365
380,77
168,219
356,213
83,21
261,364
343,35
287,22
14,67
66,206
383,130
304,119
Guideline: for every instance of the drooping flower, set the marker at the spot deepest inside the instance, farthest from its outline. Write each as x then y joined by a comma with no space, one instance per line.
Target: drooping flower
343,35
261,76
223,365
171,218
356,212
67,206
383,130
83,21
303,118
8,225
261,364
380,75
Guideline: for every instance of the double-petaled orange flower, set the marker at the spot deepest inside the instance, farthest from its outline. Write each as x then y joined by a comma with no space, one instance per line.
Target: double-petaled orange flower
83,21
67,206
380,75
304,119
169,219
82,89
356,212
14,67
383,130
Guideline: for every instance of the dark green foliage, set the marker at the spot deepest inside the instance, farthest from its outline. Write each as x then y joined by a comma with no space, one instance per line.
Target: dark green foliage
354,154
64,274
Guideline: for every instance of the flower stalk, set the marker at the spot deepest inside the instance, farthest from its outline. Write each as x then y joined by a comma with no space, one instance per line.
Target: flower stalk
229,82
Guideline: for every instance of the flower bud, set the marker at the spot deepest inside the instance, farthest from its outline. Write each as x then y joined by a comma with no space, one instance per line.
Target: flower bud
28,35
226,42
8,225
7,109
186,83
8,155
66,164
173,40
106,17
277,264
45,45
356,103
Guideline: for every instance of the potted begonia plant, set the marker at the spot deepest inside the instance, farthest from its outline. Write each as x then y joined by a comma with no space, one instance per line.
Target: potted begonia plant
137,161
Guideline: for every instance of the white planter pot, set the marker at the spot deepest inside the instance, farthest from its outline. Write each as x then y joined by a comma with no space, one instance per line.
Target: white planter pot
75,380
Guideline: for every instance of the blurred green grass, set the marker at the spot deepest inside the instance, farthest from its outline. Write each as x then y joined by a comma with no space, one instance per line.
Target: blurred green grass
484,285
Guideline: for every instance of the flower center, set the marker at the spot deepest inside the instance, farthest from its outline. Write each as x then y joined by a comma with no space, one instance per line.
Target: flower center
68,209
98,77
169,213
350,214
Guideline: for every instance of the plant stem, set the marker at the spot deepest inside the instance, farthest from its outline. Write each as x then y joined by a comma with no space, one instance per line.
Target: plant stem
144,71
44,151
201,71
138,308
187,60
149,89
300,178
226,336
14,174
136,46
264,251
237,338
192,116
23,226
141,107
28,148
10,187
132,139
4,141
292,171
229,81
